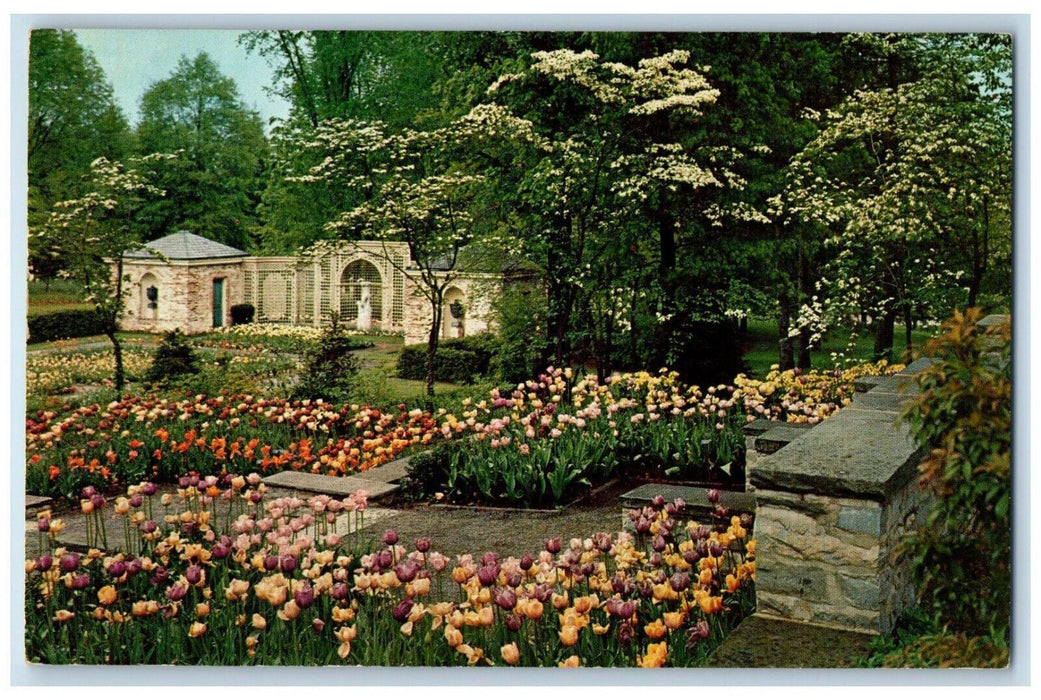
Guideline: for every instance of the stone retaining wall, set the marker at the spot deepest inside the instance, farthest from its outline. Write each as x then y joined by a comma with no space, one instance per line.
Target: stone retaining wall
831,508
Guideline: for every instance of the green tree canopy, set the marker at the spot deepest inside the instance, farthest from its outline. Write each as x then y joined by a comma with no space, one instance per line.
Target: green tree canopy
212,188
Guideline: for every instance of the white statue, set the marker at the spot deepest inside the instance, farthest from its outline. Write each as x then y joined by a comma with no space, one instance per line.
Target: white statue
365,306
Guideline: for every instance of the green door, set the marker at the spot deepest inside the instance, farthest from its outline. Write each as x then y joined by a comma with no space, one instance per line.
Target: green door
218,303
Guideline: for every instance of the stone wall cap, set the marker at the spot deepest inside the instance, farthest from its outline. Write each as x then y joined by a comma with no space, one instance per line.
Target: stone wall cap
865,454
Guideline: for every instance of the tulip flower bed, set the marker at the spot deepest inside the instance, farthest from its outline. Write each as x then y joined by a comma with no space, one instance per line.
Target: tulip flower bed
548,440
541,443
153,438
59,373
222,575
798,396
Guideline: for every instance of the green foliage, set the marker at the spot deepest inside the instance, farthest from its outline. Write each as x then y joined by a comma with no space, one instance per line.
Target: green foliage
213,187
520,313
963,417
457,361
174,358
428,471
73,119
65,324
242,313
330,368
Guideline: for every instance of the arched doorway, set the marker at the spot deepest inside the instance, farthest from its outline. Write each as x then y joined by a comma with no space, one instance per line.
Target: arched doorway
359,279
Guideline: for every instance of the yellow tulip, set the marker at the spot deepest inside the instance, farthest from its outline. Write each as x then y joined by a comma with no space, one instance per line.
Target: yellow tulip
510,653
197,629
655,629
570,662
107,595
568,635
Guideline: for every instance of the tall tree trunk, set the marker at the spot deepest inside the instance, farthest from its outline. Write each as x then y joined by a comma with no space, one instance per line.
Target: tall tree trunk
804,349
786,349
666,280
117,353
432,342
884,331
908,325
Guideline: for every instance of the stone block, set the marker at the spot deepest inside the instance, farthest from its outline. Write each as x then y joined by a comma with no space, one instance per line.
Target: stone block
867,520
853,454
329,485
758,426
862,593
389,472
780,435
879,401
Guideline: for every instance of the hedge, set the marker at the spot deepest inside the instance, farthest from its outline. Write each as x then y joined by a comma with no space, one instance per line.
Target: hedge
76,323
458,360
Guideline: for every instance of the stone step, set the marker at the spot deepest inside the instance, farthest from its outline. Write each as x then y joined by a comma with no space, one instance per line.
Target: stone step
758,427
390,472
780,435
36,504
329,485
696,497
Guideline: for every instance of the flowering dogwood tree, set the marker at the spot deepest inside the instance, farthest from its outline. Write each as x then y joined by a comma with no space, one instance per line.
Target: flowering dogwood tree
913,185
423,188
95,229
610,171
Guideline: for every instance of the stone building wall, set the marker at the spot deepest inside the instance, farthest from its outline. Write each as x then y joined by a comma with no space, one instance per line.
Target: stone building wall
185,292
475,292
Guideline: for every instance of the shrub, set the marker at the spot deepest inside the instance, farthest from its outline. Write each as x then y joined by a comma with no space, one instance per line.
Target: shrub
428,471
331,367
520,313
174,358
963,418
242,314
458,360
65,324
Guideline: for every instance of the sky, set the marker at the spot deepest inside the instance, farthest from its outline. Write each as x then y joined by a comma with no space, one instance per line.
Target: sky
134,59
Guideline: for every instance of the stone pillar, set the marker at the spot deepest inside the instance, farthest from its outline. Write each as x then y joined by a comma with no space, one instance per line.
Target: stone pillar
831,507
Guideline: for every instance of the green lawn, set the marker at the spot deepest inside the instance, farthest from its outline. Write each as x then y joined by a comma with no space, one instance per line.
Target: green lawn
55,295
763,345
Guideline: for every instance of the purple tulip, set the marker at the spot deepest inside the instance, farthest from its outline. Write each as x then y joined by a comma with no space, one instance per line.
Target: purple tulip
176,592
422,544
402,610
505,598
658,543
44,563
526,562
194,574
159,574
658,502
117,569
318,625
489,558
304,596
270,562
680,581
148,488
514,622
88,492
602,541
69,561
513,578
43,524
390,537
137,500
81,580
220,550
406,570
712,495
97,500
542,592
488,574
339,591
552,545
655,559
625,634
133,566
288,563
